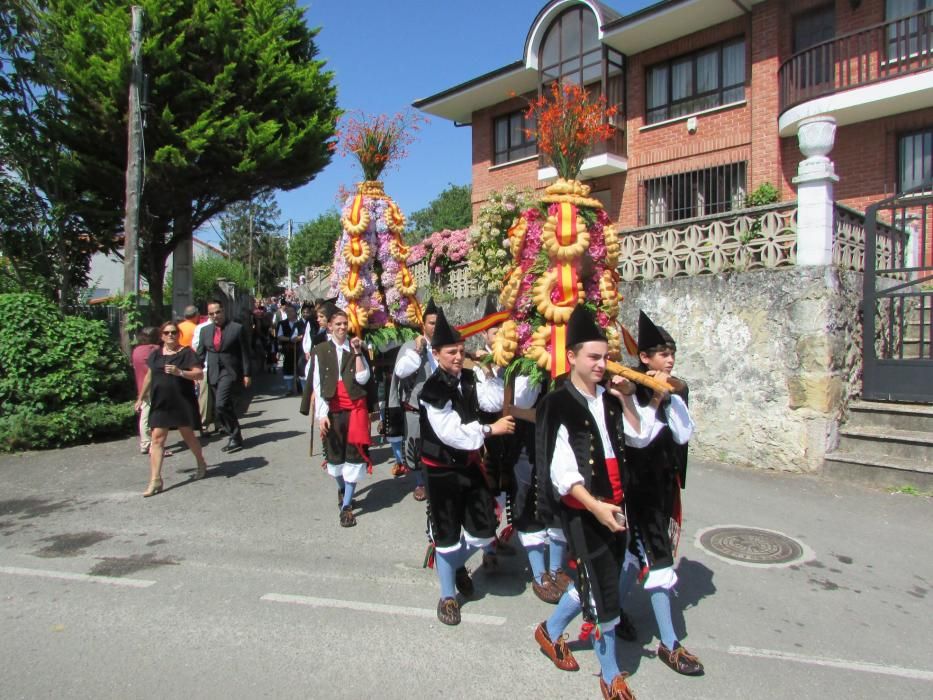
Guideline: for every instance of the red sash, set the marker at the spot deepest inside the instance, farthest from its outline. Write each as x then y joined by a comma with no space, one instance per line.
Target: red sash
358,429
615,480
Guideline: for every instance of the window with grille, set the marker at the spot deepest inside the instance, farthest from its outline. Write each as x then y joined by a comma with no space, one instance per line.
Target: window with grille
709,78
915,161
513,137
696,193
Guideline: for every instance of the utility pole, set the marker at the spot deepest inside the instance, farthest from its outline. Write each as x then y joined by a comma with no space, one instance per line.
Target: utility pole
288,250
133,171
249,263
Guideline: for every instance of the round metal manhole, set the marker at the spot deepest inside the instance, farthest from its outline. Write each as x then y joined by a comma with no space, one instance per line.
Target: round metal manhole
750,546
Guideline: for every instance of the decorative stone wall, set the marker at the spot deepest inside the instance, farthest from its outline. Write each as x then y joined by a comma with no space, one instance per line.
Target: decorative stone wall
772,358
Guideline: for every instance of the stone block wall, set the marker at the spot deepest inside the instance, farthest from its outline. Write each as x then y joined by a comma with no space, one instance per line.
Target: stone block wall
772,358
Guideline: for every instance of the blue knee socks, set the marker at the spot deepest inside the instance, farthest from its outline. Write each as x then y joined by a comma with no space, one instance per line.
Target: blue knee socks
605,648
341,484
556,554
348,494
446,565
536,559
661,602
568,607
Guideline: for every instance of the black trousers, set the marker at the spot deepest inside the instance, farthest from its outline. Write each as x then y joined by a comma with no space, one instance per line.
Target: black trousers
226,390
599,554
458,497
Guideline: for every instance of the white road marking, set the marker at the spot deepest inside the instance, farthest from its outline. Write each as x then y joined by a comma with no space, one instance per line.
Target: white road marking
864,666
68,576
376,608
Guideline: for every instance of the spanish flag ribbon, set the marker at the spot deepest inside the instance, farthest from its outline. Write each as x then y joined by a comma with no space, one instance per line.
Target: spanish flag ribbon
353,276
567,283
566,224
395,215
631,346
559,365
485,323
353,318
413,302
356,209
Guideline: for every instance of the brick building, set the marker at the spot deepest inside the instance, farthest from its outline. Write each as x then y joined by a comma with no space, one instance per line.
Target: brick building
710,94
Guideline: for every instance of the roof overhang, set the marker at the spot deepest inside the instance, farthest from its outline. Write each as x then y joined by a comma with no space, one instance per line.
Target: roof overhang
669,20
459,102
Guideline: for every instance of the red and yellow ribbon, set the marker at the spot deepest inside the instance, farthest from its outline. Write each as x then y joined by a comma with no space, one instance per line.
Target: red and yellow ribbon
485,323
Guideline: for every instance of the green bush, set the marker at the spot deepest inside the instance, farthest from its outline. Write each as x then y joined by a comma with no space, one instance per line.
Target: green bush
204,275
62,378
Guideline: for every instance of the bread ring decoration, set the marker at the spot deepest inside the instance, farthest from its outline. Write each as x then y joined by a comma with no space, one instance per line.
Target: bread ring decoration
614,339
539,350
394,218
357,251
608,292
355,229
516,236
405,283
509,294
541,296
399,250
613,247
564,253
351,294
411,313
505,344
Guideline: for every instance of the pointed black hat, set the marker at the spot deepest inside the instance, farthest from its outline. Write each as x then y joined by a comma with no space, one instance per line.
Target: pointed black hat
444,333
431,308
582,328
650,335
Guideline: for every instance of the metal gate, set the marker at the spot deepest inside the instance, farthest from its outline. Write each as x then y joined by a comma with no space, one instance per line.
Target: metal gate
898,299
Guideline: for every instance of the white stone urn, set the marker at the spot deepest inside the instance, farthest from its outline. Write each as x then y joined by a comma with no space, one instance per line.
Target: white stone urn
816,136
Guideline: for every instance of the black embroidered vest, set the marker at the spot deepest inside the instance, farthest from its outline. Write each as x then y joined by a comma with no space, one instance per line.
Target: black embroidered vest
437,391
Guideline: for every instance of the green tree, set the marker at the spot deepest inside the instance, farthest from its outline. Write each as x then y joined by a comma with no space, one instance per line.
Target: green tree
206,271
238,106
313,243
50,226
451,209
250,231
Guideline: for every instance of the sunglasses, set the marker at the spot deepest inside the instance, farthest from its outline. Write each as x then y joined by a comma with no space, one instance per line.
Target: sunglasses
169,332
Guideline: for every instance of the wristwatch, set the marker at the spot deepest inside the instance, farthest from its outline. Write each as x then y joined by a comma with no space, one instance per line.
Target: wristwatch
487,430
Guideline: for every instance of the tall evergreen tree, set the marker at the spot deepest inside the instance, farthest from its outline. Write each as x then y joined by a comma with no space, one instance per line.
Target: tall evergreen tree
250,231
238,106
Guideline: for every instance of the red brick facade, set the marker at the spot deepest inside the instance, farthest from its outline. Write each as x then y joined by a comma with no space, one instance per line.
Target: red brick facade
865,154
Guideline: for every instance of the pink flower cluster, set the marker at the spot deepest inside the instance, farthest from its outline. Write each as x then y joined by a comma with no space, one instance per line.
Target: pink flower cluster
447,248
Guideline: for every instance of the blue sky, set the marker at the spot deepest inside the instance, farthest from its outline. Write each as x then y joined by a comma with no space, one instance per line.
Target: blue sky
385,55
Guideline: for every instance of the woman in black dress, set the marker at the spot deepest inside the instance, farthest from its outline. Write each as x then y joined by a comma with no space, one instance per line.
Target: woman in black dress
169,384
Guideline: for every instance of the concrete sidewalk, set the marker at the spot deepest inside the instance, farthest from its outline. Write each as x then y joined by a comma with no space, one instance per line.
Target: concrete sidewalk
243,585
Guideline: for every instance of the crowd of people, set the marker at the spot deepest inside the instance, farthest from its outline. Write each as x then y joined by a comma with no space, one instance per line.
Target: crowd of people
587,471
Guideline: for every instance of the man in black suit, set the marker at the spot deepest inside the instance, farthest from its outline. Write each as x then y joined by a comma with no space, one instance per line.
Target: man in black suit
224,345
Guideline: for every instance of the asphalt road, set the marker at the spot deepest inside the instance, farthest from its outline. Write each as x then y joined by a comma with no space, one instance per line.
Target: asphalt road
243,585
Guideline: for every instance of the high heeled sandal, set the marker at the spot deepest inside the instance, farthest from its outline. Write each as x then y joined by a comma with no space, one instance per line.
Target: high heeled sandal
201,472
155,486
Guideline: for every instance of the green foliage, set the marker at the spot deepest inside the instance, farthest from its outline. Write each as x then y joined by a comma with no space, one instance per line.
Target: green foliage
765,193
129,308
238,105
488,258
524,366
62,378
383,337
206,271
451,209
313,243
264,256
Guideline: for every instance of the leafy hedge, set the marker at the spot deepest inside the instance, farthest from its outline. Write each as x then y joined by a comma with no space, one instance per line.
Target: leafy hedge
62,378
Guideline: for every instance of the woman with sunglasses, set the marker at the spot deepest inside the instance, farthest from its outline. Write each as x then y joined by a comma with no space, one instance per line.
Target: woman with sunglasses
169,384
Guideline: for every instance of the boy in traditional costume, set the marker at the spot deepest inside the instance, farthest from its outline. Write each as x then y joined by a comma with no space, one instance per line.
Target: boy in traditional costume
657,473
581,470
340,374
461,510
414,364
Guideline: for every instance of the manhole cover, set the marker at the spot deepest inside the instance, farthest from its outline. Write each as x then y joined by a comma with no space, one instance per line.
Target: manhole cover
752,546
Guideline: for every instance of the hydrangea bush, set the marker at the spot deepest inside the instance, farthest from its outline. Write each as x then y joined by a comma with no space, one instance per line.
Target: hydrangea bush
489,258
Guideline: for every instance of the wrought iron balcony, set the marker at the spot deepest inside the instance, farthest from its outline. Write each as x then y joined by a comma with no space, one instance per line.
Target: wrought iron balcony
871,55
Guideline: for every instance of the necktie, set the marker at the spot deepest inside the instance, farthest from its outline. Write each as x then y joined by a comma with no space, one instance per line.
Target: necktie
217,333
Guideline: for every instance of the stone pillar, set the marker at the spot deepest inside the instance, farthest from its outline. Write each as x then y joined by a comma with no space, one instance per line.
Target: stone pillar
815,177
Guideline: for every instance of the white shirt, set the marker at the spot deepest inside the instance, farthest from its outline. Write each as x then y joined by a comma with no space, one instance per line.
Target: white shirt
321,407
678,420
196,340
455,433
409,361
564,471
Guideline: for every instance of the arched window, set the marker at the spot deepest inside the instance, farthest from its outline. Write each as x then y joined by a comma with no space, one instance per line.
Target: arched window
571,52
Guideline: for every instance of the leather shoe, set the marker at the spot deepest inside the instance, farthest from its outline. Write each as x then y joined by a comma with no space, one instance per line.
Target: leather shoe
463,582
618,689
448,611
680,660
232,446
347,519
558,651
562,580
546,590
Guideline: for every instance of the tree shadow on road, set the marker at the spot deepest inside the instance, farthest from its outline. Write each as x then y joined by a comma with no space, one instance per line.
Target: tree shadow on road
263,438
233,468
262,423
